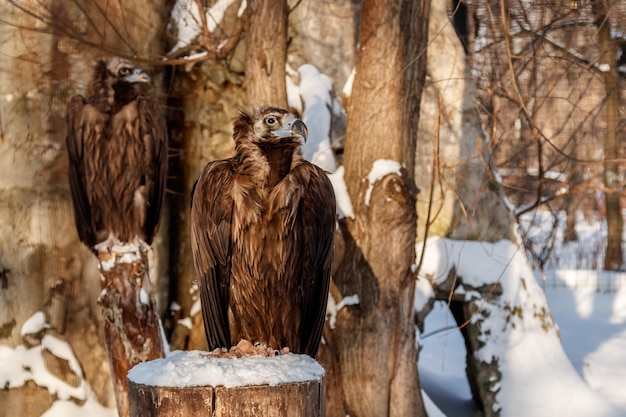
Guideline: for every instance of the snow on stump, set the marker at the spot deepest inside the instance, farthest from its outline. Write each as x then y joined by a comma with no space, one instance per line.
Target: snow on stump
132,331
195,383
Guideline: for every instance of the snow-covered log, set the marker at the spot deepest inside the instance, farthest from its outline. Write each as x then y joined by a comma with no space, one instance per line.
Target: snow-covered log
131,324
196,383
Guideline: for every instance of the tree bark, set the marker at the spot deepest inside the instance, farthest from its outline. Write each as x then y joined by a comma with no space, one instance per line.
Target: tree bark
43,265
266,52
374,340
38,246
296,399
202,105
132,331
613,259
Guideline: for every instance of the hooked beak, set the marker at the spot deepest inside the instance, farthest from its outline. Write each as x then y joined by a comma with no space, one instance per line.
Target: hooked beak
298,127
293,127
137,76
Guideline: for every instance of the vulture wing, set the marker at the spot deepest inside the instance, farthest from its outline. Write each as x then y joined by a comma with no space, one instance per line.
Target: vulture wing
317,223
82,130
211,216
153,131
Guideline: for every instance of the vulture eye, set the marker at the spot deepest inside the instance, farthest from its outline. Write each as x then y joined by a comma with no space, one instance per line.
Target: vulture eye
124,71
270,120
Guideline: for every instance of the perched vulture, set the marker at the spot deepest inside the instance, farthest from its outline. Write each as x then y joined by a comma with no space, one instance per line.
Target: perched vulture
262,228
117,146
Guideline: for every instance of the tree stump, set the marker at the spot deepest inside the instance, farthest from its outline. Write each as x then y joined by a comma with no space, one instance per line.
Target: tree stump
194,384
131,324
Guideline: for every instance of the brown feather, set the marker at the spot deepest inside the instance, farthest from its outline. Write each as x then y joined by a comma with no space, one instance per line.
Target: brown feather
262,239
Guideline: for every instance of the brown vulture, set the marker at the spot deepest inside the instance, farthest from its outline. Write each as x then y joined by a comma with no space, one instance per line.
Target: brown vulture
117,146
262,225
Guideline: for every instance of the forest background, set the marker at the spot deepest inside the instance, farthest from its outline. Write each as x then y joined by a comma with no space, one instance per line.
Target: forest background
493,109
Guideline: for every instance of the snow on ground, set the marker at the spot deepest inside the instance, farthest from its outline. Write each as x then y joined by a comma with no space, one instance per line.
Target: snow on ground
592,320
590,309
537,377
91,408
592,325
442,364
193,368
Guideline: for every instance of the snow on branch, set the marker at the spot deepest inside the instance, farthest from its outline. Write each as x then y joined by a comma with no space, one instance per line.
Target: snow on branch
193,31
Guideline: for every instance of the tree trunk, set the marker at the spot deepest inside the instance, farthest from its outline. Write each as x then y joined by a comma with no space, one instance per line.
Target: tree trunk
613,259
132,330
375,340
41,260
295,399
266,52
202,104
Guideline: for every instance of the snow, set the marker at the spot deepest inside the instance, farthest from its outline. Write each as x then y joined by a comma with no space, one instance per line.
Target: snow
441,364
129,253
431,408
347,88
344,204
313,98
423,293
194,368
187,22
91,408
547,383
186,322
593,327
380,169
34,324
144,298
593,345
310,93
197,56
23,364
332,307
195,308
584,377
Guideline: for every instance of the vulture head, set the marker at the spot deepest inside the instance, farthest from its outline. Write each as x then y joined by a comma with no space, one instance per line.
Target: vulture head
121,70
113,85
270,126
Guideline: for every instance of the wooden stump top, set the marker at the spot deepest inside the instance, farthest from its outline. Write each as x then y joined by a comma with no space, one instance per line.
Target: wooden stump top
194,383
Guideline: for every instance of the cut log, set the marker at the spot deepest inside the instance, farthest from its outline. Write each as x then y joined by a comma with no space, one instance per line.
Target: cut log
302,392
131,324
